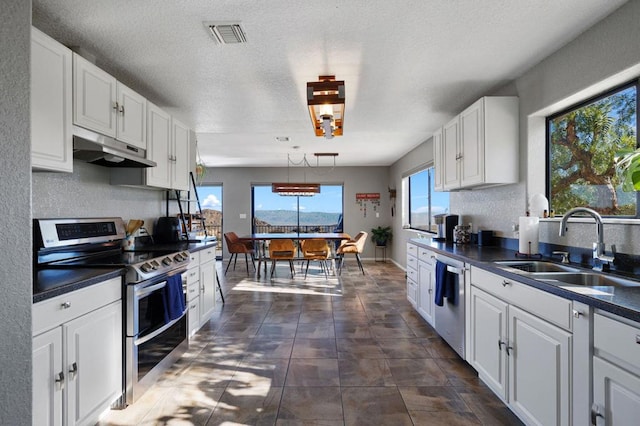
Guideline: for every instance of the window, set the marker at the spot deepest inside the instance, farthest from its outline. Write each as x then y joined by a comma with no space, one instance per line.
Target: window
276,213
582,142
211,201
424,201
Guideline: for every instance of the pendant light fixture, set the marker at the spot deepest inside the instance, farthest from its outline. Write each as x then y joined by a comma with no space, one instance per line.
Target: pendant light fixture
325,99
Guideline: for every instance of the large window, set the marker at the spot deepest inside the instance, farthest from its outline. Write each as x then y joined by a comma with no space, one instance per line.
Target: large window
424,201
211,201
276,213
582,142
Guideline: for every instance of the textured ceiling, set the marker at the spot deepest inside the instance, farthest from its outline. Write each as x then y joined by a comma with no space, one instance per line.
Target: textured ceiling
408,65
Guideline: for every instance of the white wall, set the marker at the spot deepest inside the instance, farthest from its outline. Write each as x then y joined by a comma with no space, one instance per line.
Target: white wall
236,194
15,230
87,193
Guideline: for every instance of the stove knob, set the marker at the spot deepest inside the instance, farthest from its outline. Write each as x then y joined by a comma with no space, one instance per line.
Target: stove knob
167,261
146,267
154,264
178,257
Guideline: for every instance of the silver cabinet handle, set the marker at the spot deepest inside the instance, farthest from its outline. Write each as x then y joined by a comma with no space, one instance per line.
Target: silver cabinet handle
192,306
60,380
65,305
116,106
508,349
595,413
121,110
73,371
500,343
505,283
576,313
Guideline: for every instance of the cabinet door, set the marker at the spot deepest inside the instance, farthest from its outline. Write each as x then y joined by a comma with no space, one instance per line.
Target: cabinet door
207,290
180,157
412,293
94,93
426,299
616,394
539,370
489,340
193,315
47,368
438,161
93,363
158,146
132,117
472,144
51,104
450,155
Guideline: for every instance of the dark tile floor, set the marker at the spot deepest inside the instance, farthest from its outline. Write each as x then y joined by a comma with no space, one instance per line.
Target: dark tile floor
348,351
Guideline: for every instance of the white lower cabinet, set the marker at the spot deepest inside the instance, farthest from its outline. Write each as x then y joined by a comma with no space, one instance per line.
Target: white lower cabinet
523,356
426,284
201,288
616,372
207,284
412,274
77,355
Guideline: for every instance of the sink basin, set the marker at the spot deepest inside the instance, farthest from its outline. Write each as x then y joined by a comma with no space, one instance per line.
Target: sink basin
533,266
585,279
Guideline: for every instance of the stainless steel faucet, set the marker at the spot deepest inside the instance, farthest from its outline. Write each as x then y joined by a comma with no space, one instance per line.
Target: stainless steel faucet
601,260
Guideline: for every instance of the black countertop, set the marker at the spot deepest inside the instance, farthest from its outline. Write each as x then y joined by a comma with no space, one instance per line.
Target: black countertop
623,301
48,283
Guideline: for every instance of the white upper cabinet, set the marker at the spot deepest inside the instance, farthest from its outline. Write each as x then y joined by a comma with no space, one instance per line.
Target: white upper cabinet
159,146
438,182
180,156
480,145
106,106
51,104
132,110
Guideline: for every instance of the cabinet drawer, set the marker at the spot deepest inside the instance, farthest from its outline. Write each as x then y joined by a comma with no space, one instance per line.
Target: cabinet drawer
194,259
412,263
193,315
544,305
193,290
617,338
57,310
426,255
412,292
192,275
412,250
412,274
207,254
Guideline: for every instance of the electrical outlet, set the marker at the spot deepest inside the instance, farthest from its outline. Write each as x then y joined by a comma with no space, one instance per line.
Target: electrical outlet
243,215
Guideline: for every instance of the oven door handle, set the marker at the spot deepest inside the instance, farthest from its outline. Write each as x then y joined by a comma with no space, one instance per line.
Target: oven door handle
148,337
148,290
454,270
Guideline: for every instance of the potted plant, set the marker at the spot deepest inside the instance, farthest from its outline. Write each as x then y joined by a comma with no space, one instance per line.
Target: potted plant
381,235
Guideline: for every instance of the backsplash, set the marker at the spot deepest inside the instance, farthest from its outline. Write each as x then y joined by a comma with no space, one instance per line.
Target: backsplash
87,193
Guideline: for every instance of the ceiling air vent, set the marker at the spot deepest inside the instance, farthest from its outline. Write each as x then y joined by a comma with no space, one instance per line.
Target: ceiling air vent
225,33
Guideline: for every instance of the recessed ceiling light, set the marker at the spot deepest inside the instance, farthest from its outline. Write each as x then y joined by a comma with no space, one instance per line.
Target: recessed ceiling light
283,138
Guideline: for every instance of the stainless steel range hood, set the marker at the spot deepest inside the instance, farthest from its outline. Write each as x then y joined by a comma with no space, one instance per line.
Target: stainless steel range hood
105,151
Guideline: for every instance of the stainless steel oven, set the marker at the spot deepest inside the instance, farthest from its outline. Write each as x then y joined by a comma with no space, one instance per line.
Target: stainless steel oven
152,344
450,317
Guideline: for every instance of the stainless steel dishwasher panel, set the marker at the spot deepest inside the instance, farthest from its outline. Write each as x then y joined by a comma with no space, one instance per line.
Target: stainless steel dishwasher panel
450,318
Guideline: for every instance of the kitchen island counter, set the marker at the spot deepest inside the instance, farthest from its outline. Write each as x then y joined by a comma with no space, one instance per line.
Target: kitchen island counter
623,301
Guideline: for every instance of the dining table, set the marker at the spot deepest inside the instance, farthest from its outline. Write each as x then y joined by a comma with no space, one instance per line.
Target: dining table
261,238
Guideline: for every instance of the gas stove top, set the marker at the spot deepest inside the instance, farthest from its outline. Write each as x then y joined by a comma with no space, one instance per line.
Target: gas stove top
96,243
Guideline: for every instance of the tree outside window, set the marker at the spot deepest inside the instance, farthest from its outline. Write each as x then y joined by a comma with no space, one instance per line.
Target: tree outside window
582,144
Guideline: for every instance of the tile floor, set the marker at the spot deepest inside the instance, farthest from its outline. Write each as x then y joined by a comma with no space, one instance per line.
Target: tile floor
348,351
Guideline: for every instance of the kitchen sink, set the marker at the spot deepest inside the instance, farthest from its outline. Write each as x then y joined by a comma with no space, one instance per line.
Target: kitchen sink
533,266
587,279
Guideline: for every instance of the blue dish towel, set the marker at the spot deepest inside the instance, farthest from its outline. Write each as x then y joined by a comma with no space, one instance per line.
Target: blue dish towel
445,284
173,298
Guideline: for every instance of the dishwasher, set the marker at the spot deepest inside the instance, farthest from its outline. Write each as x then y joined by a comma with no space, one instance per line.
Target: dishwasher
450,318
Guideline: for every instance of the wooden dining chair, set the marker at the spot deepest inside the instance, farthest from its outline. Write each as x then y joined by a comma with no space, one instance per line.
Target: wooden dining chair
353,246
282,250
317,250
236,245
